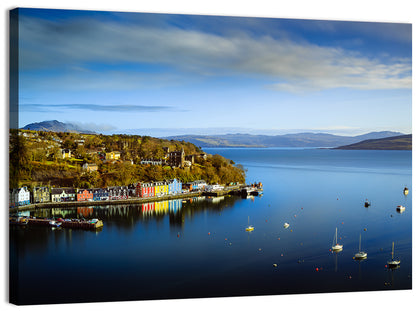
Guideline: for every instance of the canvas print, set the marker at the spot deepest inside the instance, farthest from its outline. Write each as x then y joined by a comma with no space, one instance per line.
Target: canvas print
170,156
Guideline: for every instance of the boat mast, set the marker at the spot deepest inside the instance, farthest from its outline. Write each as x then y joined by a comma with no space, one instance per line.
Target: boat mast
336,236
359,244
392,251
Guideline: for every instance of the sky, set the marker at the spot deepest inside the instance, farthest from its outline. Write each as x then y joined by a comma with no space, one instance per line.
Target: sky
174,74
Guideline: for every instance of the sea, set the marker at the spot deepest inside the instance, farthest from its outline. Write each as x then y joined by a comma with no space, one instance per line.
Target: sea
199,248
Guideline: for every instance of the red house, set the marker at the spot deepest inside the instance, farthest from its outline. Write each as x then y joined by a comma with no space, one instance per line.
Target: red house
145,190
85,195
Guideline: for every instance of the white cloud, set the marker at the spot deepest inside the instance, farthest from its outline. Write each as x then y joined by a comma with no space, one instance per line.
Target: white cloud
296,66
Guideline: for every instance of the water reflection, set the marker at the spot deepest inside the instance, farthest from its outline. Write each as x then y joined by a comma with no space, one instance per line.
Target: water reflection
130,214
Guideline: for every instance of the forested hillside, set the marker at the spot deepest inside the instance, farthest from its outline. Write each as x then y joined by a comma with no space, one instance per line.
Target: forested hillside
58,159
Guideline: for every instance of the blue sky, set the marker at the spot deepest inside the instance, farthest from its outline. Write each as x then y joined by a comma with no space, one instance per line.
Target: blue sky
166,74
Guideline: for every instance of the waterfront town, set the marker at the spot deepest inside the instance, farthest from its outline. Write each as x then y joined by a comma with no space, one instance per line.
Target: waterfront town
50,167
22,196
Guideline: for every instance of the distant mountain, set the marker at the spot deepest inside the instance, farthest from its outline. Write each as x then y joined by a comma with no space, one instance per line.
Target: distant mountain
56,126
288,140
402,142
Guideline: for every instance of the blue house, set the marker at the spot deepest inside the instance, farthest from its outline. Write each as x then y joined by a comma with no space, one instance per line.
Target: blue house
100,194
174,186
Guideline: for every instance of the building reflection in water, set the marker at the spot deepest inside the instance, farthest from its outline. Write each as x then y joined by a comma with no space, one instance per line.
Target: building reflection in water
129,215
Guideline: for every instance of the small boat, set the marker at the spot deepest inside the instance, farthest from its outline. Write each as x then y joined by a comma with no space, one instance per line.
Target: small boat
249,228
286,225
55,224
393,263
405,191
366,203
335,246
400,208
18,221
360,255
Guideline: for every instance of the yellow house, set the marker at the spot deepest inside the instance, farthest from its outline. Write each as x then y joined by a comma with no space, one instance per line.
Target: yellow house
114,155
161,188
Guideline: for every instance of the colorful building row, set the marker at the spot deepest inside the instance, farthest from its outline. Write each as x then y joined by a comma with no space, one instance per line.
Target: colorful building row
22,196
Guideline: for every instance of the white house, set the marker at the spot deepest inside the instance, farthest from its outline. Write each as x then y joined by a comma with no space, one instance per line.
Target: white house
63,194
214,188
19,197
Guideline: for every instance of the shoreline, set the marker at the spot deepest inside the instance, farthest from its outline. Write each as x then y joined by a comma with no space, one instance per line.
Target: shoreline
71,204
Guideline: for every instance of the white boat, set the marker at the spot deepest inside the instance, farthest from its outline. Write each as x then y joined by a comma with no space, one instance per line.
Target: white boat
54,223
393,263
335,246
360,255
400,208
249,228
286,225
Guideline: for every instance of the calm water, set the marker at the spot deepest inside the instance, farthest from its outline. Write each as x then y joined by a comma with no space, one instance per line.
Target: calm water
200,249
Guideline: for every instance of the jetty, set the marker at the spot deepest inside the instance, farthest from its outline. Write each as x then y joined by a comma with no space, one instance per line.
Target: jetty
91,224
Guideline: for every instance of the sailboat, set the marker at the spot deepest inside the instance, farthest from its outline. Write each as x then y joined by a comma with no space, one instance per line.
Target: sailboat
249,228
335,246
400,208
360,255
393,263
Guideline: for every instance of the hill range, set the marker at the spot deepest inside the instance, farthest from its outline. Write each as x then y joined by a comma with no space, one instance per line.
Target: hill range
402,142
289,140
366,141
56,126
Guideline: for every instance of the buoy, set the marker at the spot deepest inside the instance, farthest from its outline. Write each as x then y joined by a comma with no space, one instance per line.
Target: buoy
281,255
365,229
278,239
342,223
385,266
317,269
209,233
275,265
226,239
230,243
259,249
178,235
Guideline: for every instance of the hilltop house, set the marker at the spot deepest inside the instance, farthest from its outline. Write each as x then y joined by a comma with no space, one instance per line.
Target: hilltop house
65,153
114,155
153,162
90,167
176,158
